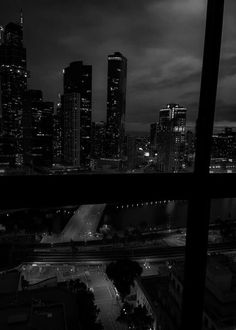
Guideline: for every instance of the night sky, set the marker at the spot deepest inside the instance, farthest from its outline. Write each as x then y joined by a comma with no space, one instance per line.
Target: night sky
162,40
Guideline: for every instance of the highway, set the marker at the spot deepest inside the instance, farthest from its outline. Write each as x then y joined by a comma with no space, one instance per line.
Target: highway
106,254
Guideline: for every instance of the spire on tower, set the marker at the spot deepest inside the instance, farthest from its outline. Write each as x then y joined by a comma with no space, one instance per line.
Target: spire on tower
21,18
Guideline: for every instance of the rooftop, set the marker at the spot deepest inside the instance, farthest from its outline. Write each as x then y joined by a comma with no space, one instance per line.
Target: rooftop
14,317
50,317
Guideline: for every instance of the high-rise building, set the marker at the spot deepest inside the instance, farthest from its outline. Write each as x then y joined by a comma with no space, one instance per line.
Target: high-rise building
71,129
37,130
189,150
58,134
98,139
78,96
171,138
13,83
224,144
116,104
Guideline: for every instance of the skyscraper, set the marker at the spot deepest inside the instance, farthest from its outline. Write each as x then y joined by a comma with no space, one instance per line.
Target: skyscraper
71,129
98,139
57,134
171,137
224,144
116,104
37,130
78,88
13,83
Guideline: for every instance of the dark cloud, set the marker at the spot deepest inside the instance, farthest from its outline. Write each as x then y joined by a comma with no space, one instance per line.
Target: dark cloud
227,66
162,39
225,112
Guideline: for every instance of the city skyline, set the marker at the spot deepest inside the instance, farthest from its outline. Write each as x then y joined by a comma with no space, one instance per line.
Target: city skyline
161,62
114,214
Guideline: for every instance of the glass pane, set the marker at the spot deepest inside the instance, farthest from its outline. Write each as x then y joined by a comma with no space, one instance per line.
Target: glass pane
52,247
109,87
224,137
220,277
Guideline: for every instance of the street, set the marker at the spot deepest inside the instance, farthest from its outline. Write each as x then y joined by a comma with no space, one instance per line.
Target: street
95,279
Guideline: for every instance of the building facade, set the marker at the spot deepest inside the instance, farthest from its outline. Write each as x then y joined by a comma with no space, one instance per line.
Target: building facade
116,105
13,83
170,138
162,295
37,122
78,96
71,129
98,139
58,135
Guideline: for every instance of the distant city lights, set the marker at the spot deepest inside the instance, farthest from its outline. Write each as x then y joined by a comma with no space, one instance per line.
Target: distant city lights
149,203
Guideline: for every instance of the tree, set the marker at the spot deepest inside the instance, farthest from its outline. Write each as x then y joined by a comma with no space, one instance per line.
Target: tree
24,282
125,312
122,273
135,318
140,318
76,285
88,311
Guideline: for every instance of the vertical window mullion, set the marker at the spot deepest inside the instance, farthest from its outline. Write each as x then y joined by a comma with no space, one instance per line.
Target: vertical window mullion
200,201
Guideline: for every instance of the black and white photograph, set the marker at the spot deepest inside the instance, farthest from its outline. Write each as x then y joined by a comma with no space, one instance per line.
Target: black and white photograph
118,165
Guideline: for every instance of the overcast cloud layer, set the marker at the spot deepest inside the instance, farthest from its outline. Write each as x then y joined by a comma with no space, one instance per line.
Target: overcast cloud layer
162,40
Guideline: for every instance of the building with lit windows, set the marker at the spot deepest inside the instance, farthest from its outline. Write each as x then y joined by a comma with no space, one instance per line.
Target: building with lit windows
223,152
78,95
98,139
37,130
57,134
189,150
116,105
71,129
162,295
170,138
13,83
224,144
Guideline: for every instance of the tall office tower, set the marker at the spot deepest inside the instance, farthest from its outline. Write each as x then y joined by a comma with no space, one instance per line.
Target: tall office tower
189,149
13,83
37,130
116,103
71,129
78,95
98,139
224,144
57,135
171,137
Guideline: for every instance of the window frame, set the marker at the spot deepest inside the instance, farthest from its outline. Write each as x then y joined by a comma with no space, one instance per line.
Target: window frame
44,191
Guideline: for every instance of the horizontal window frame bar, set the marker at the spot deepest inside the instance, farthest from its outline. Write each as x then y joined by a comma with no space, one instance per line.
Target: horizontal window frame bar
49,191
